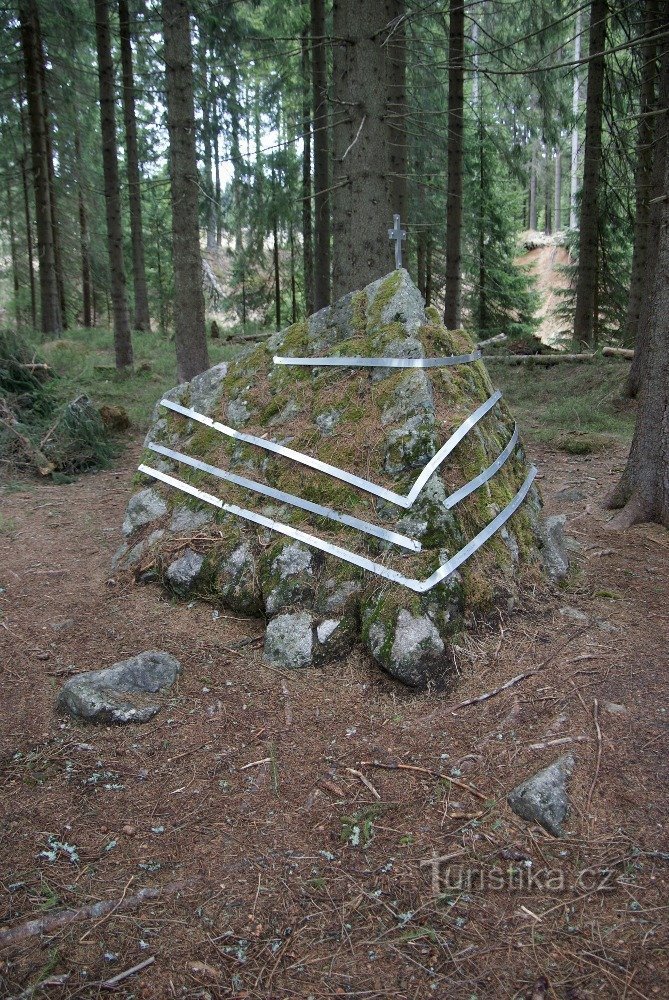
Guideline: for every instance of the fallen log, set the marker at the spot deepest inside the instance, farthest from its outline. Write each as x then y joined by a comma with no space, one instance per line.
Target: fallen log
52,921
537,359
492,340
618,352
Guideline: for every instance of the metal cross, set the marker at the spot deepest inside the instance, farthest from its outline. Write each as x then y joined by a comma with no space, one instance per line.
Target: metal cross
397,234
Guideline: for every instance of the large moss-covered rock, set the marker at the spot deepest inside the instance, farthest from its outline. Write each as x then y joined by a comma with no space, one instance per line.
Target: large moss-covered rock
382,424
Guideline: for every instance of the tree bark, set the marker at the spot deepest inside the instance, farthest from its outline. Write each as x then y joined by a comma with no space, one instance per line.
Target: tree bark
533,188
16,281
576,93
643,492
395,43
643,177
321,157
50,315
456,53
362,199
657,192
29,241
189,325
141,294
57,251
585,320
307,236
557,194
84,235
122,336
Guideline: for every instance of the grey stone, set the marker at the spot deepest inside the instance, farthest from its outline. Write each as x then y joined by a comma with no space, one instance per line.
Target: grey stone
289,640
410,446
185,521
570,494
554,546
574,615
120,693
543,797
290,410
128,556
326,422
184,571
238,412
143,507
205,389
289,578
613,708
326,628
412,395
405,306
237,583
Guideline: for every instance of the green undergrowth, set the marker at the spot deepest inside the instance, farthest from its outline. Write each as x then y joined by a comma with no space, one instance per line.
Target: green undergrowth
84,361
577,408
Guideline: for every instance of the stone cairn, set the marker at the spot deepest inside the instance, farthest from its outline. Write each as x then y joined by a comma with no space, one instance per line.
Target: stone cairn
382,424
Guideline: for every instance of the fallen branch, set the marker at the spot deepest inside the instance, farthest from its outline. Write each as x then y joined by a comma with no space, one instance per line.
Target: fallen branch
492,340
618,352
287,706
109,984
537,359
53,921
491,694
40,461
426,770
599,757
366,782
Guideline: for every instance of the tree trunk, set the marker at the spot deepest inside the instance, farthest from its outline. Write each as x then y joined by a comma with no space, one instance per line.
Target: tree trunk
456,53
307,236
362,203
217,166
585,320
84,236
29,242
657,192
50,317
122,338
643,177
57,251
16,281
643,492
557,202
395,42
208,181
421,255
321,157
142,316
533,188
576,93
189,326
293,284
428,270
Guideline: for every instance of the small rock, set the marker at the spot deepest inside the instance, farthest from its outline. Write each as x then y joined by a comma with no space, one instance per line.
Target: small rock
289,640
574,614
184,571
129,830
613,708
184,520
543,797
144,507
554,546
570,494
118,693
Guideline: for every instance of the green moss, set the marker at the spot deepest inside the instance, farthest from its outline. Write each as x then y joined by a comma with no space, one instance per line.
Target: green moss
433,315
385,293
386,335
204,441
274,407
582,443
295,340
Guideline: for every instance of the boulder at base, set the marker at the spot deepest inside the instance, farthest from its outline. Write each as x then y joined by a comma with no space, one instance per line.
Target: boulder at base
124,692
382,424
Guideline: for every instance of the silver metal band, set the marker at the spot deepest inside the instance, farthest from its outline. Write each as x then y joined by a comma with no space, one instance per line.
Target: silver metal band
269,491
331,470
484,476
419,586
455,359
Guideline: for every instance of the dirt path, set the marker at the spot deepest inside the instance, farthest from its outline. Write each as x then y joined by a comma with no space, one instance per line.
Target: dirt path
546,263
249,789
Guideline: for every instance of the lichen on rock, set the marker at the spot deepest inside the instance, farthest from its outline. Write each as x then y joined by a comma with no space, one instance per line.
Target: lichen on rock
382,424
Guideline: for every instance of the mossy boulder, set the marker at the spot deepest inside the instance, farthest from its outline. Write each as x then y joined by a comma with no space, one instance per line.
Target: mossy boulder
382,424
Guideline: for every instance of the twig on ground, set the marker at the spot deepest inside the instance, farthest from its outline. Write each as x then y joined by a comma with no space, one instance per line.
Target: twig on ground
599,756
287,706
491,694
109,984
52,921
366,782
255,763
426,770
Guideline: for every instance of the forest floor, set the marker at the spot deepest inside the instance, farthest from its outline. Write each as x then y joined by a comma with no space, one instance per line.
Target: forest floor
280,861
